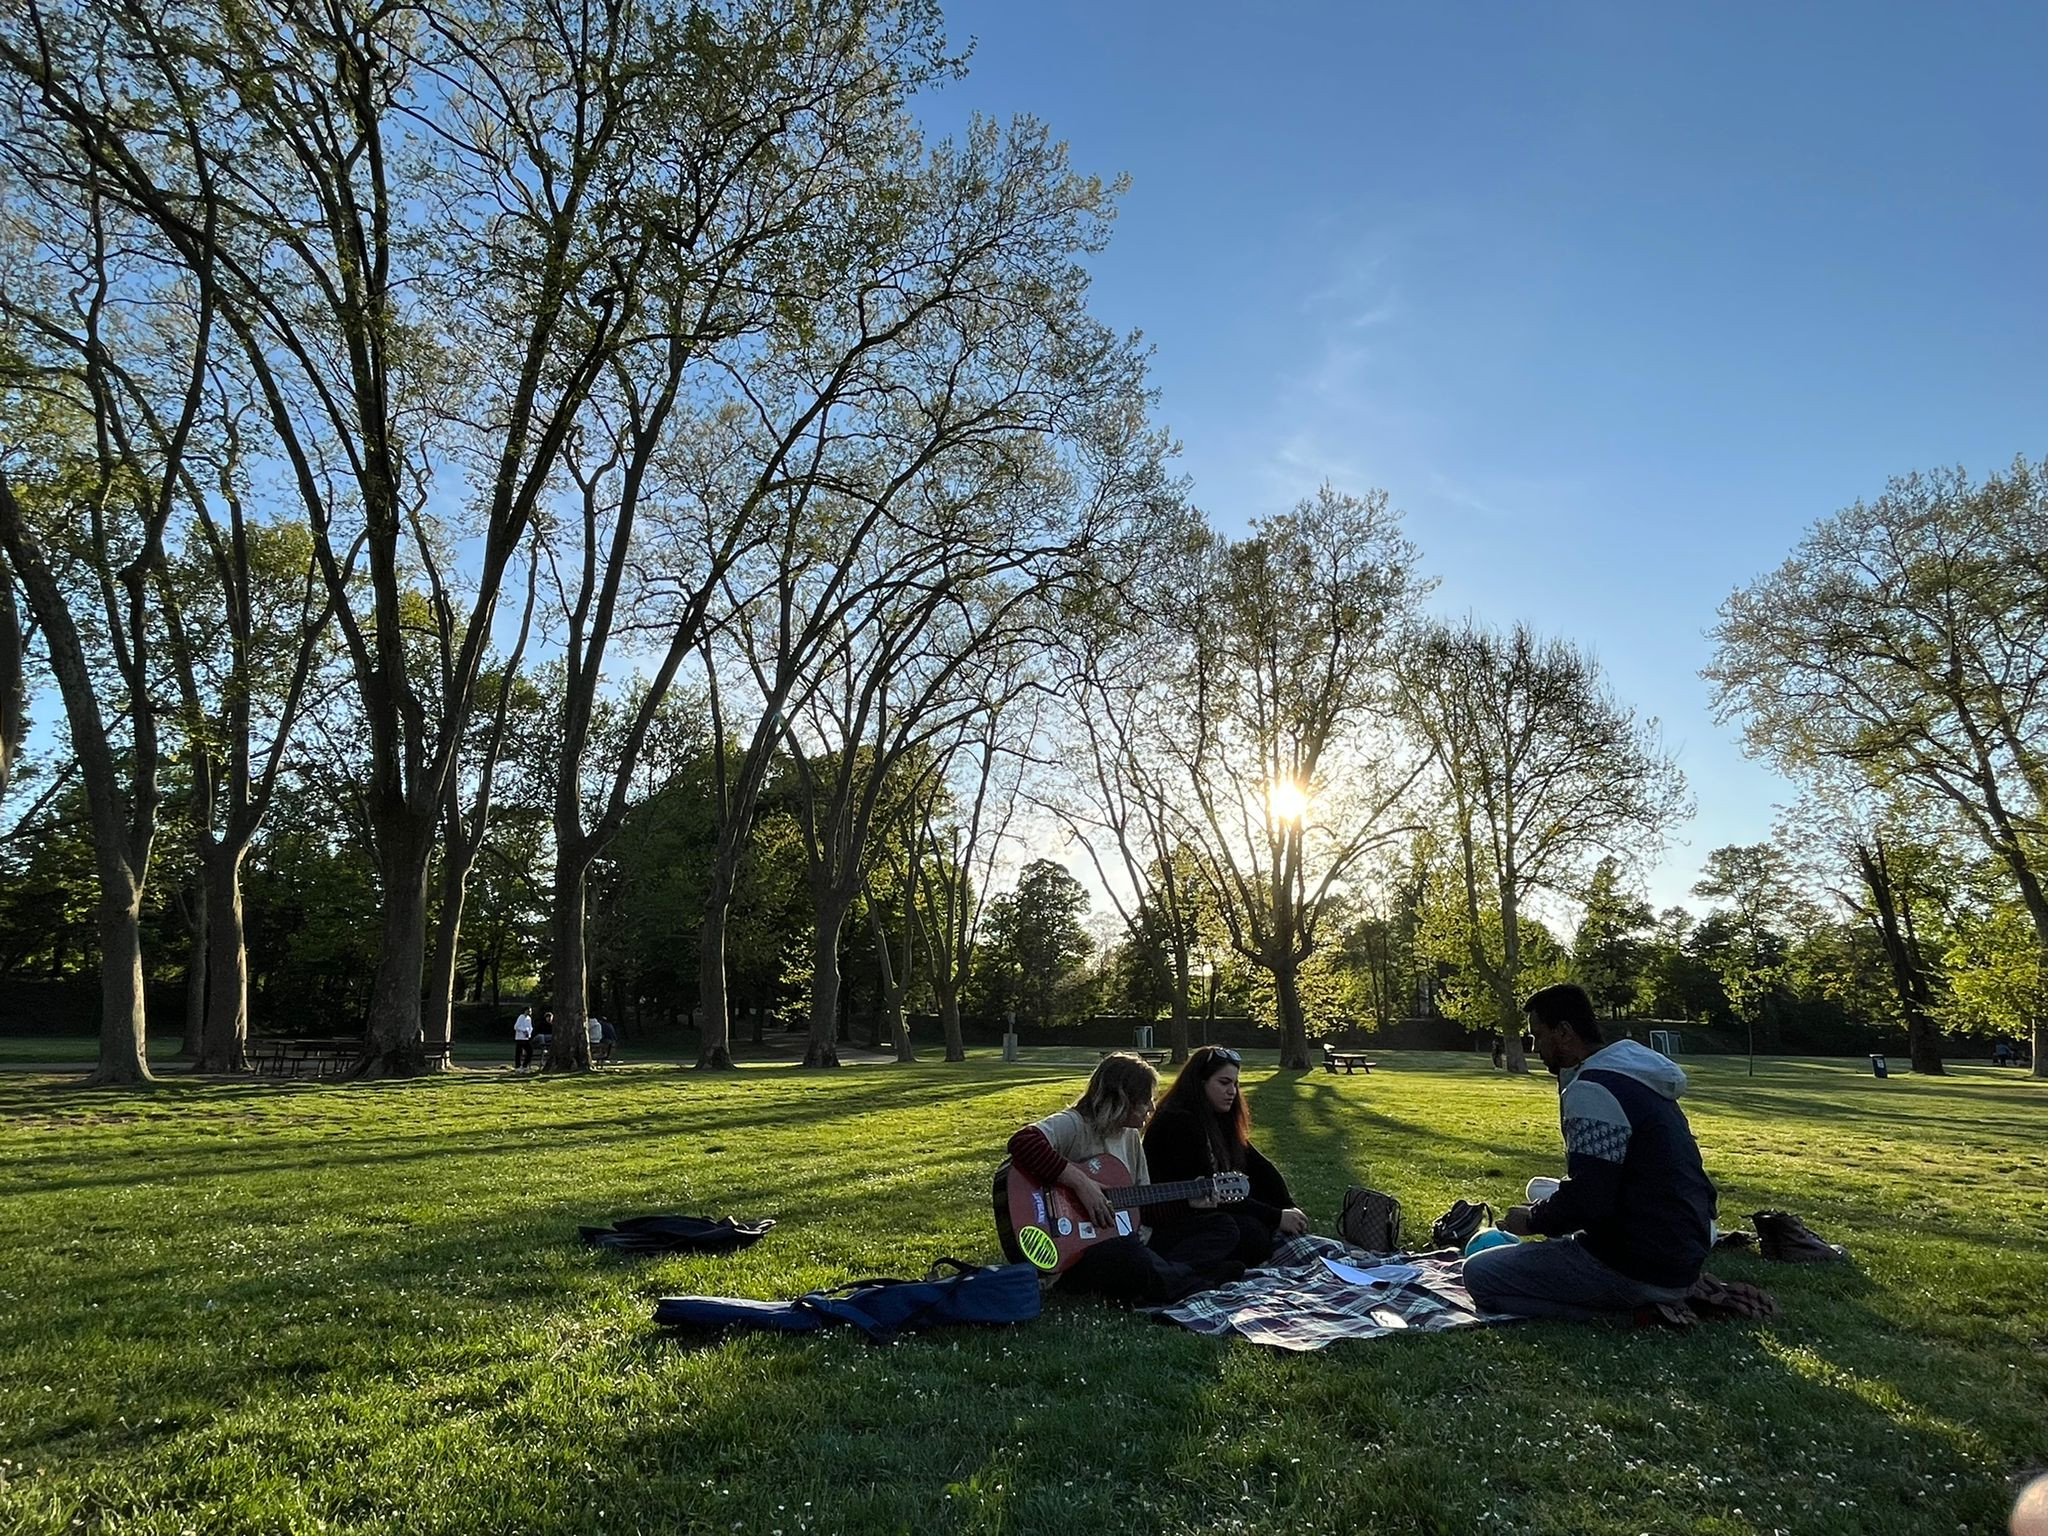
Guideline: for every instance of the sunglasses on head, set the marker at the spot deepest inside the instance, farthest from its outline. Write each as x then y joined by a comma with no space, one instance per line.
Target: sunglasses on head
1225,1053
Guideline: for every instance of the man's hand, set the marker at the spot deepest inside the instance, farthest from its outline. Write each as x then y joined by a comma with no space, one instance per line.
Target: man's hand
1089,1195
1293,1222
1515,1221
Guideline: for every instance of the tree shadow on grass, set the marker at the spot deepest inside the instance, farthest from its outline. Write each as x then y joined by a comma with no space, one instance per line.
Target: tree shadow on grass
1086,1419
479,1309
691,1122
522,1386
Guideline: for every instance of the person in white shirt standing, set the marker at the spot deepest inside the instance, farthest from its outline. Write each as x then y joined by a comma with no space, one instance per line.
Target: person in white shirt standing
522,1040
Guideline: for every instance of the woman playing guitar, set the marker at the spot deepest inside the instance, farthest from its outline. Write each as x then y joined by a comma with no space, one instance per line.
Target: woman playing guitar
1203,1126
1106,1119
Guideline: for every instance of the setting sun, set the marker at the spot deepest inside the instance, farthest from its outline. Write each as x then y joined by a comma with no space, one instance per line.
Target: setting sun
1287,800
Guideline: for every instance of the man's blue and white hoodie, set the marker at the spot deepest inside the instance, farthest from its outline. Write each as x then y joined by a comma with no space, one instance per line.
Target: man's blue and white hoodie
1635,1186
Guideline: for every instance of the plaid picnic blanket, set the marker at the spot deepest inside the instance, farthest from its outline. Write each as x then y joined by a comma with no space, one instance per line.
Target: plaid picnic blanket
1292,1301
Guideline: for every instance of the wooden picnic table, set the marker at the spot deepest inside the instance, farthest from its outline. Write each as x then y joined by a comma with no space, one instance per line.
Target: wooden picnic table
1348,1061
1157,1058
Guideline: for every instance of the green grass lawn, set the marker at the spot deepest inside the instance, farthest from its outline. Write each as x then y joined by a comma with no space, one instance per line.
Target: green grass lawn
309,1307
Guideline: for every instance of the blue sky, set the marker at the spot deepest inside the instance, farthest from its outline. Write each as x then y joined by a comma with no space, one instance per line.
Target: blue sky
1613,300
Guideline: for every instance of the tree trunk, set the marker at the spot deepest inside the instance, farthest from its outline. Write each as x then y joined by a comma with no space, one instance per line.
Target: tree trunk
570,1049
1923,1041
394,1044
1507,982
1293,1027
2040,1067
226,1041
1512,1024
439,1022
822,1050
193,903
949,1025
1177,1028
123,1027
714,1038
123,824
1928,1039
13,678
889,995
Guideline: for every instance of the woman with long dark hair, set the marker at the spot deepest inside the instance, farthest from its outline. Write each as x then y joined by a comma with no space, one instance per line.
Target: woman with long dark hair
1107,1119
1202,1127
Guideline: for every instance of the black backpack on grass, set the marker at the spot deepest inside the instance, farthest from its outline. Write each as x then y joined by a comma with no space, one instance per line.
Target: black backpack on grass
1457,1226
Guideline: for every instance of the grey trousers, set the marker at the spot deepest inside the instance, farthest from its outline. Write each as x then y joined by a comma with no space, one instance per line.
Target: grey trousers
1556,1278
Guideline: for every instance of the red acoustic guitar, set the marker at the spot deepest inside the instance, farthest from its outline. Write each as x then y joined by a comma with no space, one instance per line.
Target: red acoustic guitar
1043,1224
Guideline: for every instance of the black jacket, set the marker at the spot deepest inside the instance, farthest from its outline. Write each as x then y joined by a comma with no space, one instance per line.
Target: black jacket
1177,1147
1635,1186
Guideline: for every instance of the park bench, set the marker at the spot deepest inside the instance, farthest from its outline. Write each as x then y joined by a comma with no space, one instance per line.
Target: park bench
1157,1058
1347,1061
288,1058
322,1058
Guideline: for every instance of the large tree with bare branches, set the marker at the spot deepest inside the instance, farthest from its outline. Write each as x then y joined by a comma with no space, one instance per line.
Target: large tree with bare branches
1294,773
966,434
1539,771
104,362
424,230
1906,640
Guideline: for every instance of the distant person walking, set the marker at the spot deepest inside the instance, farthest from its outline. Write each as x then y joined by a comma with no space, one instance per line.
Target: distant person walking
522,1040
545,1037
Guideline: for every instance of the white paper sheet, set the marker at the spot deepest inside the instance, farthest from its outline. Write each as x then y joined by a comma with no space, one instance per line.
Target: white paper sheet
1383,1274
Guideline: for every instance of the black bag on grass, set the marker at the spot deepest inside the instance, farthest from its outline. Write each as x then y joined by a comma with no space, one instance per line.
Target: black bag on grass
1370,1220
1457,1226
642,1235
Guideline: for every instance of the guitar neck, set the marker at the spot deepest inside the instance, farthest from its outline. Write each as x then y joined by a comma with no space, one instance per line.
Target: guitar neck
1159,1194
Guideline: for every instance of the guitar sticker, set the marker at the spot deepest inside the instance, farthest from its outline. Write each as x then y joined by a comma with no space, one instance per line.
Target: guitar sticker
1039,1247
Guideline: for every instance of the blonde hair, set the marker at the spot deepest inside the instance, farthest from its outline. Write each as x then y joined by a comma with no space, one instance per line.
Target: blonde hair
1118,1085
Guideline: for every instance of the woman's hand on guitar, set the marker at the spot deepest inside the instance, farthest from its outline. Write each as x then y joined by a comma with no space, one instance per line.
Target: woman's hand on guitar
1089,1196
1293,1222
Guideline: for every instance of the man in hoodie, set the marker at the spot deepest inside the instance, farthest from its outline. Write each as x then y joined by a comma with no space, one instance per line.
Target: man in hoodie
1631,1223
